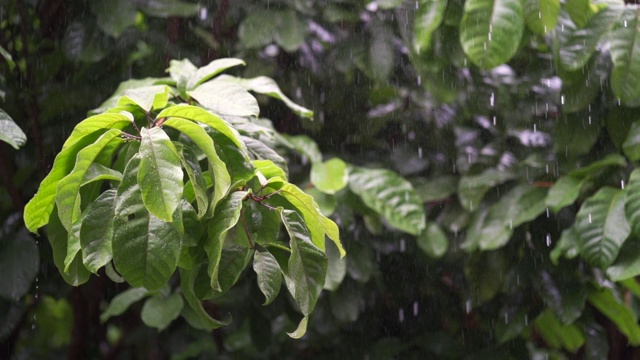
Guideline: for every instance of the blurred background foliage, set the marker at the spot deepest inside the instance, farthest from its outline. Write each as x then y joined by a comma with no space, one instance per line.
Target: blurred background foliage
519,133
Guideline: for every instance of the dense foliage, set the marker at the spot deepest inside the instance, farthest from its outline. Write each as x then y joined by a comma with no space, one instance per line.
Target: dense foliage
478,156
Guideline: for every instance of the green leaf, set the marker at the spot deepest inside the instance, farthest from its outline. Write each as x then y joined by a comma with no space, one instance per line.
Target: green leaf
84,42
97,172
267,86
19,264
541,16
491,30
112,101
318,224
167,8
300,330
222,180
194,172
566,144
336,268
567,246
93,124
212,69
235,158
96,231
148,98
261,151
485,273
10,132
307,266
579,10
621,315
68,189
306,147
160,174
114,16
556,335
145,248
590,170
181,72
631,145
159,311
433,241
76,273
602,226
564,192
429,15
580,87
226,217
632,202
121,302
233,261
269,169
225,98
625,53
581,43
471,188
268,274
330,176
187,281
627,264
436,189
391,196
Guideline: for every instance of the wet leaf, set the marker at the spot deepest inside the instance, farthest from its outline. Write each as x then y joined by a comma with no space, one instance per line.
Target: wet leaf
621,315
541,16
96,231
10,132
558,336
121,302
336,268
269,275
159,311
19,264
225,98
472,188
198,315
167,8
632,202
212,69
300,330
627,264
564,192
114,16
428,17
147,98
433,241
625,53
330,176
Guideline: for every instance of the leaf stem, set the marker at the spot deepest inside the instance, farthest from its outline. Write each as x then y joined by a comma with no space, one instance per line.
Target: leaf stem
246,229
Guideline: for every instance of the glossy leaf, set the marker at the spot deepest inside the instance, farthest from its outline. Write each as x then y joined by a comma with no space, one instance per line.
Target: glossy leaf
625,53
235,158
226,217
391,196
96,231
602,226
212,69
330,176
307,266
147,98
10,132
632,202
621,315
627,264
428,17
159,174
592,169
121,302
301,329
268,273
579,11
19,264
76,273
269,169
541,16
187,281
433,241
558,336
267,86
233,261
159,311
563,193
225,98
631,145
471,188
490,31
261,151
181,72
97,172
306,147
69,187
145,248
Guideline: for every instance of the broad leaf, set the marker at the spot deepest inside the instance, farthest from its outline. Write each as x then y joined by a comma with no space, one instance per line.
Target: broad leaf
261,151
433,241
233,261
330,176
160,174
307,266
621,315
391,196
632,202
159,311
194,172
564,192
306,147
491,30
96,231
579,11
559,336
10,132
566,143
300,330
114,16
631,144
625,53
627,264
268,273
19,264
591,170
428,17
187,281
68,188
212,69
225,98
121,302
235,158
147,98
268,169
145,248
265,85
567,246
336,268
226,217
602,226
97,172
471,188
181,72
57,235
541,16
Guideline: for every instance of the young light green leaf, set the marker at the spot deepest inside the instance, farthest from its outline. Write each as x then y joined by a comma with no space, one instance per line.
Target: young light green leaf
391,196
268,169
625,53
160,174
306,147
68,188
541,16
10,132
564,192
159,311
181,71
145,248
148,98
491,30
300,330
121,302
632,202
330,176
261,151
96,231
433,241
187,281
222,179
579,11
225,98
194,172
268,273
602,226
212,69
621,315
226,216
267,86
428,18
307,266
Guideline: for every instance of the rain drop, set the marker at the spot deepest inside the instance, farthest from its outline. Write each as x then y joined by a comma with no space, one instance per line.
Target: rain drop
402,245
622,184
547,213
625,23
548,240
401,315
415,308
494,120
510,223
420,152
562,99
492,99
589,218
467,306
